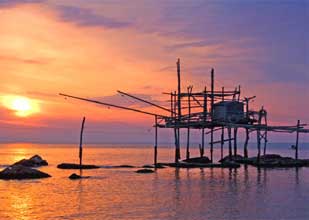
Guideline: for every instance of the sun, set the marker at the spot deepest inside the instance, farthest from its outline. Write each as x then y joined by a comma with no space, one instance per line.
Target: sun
22,106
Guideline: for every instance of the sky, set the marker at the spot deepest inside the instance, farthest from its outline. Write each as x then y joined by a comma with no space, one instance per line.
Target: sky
94,48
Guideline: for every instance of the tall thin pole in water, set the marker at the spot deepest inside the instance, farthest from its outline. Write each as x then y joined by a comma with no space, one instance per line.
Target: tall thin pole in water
297,137
81,143
222,129
212,113
156,142
179,110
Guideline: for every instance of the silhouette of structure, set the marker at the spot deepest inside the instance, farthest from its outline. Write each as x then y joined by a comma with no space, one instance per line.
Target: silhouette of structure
213,110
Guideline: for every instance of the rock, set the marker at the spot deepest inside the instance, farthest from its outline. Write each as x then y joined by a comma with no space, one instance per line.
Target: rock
277,161
238,158
144,171
271,157
74,176
198,160
34,161
76,166
21,172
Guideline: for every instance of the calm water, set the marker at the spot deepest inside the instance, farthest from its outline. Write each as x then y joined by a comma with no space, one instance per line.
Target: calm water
169,193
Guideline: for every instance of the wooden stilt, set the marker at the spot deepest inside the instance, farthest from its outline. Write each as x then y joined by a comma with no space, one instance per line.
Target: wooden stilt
189,116
297,139
212,112
179,108
258,135
211,144
178,144
229,131
81,146
265,143
203,140
188,144
235,141
201,150
173,104
246,143
156,142
222,129
222,141
204,118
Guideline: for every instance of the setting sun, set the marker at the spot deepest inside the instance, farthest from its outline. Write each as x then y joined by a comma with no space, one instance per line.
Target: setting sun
21,105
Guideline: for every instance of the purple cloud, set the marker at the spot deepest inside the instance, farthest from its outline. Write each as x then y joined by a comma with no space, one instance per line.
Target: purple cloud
86,17
10,3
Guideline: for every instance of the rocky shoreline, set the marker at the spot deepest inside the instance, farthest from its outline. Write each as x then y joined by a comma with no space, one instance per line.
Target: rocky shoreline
268,161
23,169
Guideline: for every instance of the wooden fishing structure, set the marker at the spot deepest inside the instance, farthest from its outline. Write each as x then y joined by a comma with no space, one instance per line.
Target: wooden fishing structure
211,111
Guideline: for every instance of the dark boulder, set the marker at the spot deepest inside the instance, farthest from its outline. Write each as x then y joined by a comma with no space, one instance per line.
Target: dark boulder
74,176
203,160
144,171
76,166
277,161
34,161
21,172
238,158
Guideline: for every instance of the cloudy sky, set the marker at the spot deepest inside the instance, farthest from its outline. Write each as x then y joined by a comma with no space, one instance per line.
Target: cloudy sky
94,48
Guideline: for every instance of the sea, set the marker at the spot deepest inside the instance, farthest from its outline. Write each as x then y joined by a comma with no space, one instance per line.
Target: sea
171,193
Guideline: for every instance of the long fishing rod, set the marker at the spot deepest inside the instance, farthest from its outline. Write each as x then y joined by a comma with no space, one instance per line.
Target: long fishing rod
112,105
145,101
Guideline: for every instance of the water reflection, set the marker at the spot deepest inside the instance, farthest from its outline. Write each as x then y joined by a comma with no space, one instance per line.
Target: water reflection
166,194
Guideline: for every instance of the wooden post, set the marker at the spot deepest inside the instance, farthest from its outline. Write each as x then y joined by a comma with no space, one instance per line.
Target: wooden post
176,131
247,129
246,143
235,141
81,143
189,117
265,143
179,109
179,89
229,131
201,150
203,142
222,141
297,138
212,113
222,129
204,118
156,142
258,135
